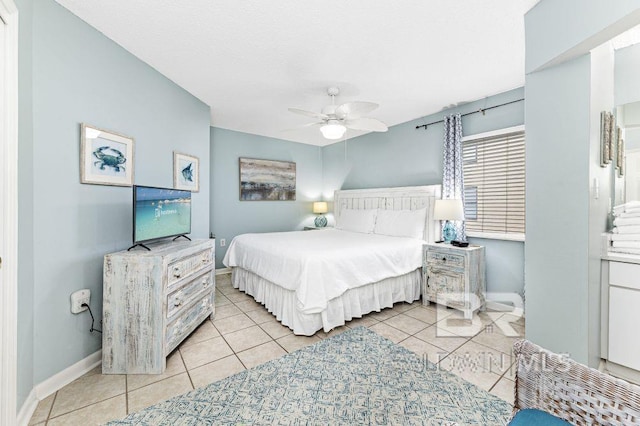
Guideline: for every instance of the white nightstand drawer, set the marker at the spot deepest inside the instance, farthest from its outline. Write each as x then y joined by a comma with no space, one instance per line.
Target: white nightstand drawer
435,257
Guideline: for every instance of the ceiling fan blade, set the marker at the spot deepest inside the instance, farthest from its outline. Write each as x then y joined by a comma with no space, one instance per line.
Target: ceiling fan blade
304,126
308,113
367,124
352,110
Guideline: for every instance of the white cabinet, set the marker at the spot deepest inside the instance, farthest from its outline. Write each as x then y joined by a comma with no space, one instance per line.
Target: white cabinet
454,277
624,314
152,300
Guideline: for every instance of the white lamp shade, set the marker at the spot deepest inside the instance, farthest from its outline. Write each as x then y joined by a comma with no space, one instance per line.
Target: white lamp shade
448,210
333,130
320,207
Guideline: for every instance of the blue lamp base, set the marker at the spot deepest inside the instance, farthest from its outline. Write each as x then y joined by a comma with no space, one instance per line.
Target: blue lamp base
449,232
320,221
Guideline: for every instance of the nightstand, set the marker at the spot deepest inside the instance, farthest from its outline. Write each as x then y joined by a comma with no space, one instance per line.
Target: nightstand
314,228
454,276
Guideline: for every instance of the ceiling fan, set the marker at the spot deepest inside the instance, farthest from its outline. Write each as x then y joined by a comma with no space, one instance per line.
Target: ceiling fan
336,119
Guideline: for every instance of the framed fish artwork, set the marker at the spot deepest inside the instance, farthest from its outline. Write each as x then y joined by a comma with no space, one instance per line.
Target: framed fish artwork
186,172
106,157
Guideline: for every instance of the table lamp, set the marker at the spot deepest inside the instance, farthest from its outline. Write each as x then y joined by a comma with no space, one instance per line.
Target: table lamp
448,210
320,207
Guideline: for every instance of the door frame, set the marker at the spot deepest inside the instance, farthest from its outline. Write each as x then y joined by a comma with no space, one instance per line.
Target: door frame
9,248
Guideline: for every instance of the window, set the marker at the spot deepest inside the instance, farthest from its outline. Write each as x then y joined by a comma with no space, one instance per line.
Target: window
494,184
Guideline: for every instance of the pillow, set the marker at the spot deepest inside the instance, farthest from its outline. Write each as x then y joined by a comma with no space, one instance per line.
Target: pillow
533,417
401,223
357,220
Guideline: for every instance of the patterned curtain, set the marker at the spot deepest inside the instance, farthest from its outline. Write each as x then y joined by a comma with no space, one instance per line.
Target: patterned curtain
452,179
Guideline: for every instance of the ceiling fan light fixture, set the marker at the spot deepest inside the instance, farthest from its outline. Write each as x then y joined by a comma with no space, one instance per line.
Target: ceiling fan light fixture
333,130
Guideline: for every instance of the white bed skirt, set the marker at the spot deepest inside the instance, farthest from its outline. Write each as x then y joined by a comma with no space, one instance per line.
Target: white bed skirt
354,303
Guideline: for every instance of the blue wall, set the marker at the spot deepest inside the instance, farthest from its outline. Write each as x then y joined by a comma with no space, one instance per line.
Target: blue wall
564,100
230,216
78,75
25,204
405,156
558,206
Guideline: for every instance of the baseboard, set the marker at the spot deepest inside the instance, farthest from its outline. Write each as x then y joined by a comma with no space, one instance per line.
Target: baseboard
55,383
223,271
68,375
497,306
28,408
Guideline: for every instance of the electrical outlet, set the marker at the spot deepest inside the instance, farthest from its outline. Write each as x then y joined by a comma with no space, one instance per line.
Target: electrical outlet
223,242
78,298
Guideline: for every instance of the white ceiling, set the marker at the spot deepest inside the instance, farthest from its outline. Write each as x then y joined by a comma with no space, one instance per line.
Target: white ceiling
251,60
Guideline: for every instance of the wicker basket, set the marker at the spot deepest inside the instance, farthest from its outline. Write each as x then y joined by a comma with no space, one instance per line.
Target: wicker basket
572,391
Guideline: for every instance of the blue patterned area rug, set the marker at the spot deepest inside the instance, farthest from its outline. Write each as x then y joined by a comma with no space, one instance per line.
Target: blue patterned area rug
356,377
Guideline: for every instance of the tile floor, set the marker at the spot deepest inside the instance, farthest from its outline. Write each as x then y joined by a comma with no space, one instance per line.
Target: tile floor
244,335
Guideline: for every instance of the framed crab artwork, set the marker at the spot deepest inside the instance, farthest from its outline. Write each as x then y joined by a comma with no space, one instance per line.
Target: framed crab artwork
186,172
106,158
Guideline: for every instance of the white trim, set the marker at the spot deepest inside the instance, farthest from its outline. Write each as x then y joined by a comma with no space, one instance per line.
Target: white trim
223,271
9,250
68,375
498,132
27,409
55,383
496,236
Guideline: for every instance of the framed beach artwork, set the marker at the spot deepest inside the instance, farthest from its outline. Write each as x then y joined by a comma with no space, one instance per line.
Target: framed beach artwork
106,157
186,172
267,180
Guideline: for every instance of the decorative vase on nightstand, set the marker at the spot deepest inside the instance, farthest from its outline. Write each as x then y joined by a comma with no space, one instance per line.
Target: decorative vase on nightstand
449,231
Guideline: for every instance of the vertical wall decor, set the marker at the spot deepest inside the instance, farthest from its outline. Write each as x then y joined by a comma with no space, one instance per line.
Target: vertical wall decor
452,178
186,172
607,138
620,154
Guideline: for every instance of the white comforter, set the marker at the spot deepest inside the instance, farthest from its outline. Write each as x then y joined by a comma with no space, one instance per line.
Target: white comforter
321,265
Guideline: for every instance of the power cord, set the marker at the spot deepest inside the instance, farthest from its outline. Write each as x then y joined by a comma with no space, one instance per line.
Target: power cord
91,330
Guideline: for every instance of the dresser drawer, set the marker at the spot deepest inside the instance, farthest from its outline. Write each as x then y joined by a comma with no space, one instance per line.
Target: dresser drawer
189,265
184,324
182,297
450,260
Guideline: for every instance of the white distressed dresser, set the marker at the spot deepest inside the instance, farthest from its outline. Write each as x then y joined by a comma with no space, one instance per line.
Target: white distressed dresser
152,300
454,277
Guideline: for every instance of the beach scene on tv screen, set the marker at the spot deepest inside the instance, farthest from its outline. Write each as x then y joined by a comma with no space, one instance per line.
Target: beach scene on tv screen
161,213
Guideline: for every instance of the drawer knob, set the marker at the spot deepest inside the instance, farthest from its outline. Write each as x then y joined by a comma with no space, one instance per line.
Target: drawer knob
176,271
205,282
177,300
444,259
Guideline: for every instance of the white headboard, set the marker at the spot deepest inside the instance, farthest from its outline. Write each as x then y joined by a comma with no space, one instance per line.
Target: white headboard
400,198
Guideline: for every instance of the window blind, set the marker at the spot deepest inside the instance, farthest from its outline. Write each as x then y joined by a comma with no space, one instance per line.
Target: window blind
494,183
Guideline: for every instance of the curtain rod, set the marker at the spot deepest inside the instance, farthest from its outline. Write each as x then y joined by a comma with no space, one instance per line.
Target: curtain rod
482,110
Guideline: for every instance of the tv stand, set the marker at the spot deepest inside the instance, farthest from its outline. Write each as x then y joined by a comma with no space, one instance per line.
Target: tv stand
181,236
139,244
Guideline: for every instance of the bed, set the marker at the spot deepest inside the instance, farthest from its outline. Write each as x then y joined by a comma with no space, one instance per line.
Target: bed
312,280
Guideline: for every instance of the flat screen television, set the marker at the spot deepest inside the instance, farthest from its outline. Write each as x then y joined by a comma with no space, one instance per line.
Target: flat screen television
160,213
